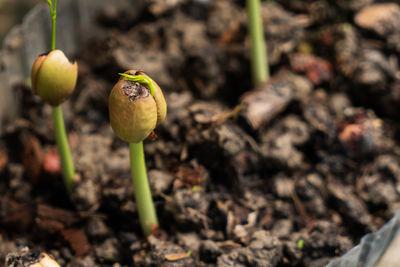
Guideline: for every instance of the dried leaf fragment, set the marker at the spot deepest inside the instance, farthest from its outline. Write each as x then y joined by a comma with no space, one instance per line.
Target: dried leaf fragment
176,256
77,240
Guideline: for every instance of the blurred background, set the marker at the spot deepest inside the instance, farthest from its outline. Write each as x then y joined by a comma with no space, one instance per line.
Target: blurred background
12,12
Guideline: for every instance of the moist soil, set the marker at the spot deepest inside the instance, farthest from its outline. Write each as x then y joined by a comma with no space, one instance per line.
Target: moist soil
290,173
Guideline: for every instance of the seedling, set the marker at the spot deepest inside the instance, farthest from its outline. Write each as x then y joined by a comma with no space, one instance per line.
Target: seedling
259,65
136,106
54,79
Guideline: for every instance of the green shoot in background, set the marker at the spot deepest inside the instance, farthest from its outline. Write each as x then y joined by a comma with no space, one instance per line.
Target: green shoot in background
67,164
259,65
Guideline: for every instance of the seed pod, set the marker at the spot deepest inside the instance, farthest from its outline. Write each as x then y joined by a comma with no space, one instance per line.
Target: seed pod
54,77
134,111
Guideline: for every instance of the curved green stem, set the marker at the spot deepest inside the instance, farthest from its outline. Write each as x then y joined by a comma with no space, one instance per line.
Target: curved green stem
259,65
67,164
141,188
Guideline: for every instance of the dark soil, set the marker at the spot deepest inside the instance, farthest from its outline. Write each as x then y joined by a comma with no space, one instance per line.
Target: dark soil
292,173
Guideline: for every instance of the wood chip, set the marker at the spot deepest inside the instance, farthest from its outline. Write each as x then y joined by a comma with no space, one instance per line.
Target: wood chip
3,158
32,157
381,18
77,240
188,176
264,103
54,220
50,226
229,244
51,213
267,101
176,256
17,215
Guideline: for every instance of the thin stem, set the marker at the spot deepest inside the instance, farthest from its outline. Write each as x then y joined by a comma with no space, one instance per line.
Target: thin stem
53,12
259,64
53,25
67,164
63,148
144,201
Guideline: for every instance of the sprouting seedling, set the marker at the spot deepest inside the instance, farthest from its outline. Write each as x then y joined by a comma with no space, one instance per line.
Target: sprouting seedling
140,79
136,106
54,79
259,65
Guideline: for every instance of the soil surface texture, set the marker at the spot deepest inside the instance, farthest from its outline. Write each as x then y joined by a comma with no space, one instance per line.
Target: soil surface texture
291,173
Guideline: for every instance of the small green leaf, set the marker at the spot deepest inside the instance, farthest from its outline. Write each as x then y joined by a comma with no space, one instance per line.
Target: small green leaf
140,79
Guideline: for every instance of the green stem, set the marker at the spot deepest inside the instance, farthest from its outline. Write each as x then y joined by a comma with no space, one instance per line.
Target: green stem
67,164
53,11
141,188
259,66
63,148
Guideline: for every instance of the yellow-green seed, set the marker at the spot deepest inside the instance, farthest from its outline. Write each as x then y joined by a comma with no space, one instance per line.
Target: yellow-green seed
54,77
